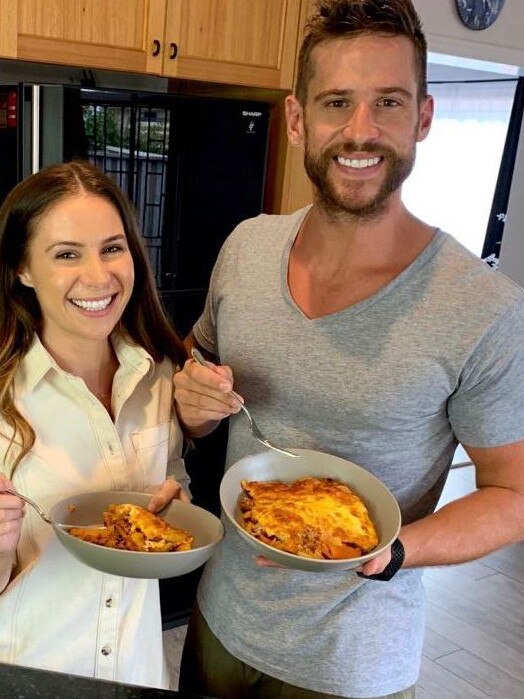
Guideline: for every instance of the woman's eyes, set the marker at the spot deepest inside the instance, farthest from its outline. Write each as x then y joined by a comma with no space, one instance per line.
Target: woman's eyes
66,255
115,247
112,249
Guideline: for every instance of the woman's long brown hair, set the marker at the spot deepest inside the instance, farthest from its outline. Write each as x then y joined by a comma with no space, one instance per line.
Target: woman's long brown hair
143,320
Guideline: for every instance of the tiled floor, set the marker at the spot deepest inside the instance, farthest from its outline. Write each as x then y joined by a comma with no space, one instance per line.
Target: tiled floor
474,644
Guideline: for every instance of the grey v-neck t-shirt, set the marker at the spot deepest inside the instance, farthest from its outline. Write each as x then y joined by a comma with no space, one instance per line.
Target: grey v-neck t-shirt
392,383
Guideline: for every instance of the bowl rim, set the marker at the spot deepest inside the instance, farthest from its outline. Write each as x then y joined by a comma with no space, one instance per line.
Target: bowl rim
310,562
126,552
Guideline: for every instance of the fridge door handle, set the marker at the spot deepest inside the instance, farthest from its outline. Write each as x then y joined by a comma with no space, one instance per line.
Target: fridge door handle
35,128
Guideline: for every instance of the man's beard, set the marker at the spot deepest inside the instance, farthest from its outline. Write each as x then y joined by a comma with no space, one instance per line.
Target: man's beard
346,200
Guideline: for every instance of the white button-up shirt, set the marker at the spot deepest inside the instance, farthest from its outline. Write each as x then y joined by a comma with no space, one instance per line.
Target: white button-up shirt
57,613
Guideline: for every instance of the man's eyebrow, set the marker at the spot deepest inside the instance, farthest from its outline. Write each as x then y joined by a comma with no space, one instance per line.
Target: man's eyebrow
76,244
390,90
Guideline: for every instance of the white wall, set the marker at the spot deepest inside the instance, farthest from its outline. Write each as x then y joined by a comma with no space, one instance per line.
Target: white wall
501,43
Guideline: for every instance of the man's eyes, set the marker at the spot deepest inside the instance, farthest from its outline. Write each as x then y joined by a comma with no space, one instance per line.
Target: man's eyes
388,102
337,104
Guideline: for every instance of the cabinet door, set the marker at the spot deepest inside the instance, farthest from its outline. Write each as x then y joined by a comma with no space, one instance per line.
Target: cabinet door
116,34
295,191
8,21
241,42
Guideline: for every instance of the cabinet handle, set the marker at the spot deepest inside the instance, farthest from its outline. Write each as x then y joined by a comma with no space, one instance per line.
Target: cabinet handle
156,47
174,50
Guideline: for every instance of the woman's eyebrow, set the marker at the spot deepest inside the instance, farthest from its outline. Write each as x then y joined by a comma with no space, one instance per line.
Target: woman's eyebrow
76,244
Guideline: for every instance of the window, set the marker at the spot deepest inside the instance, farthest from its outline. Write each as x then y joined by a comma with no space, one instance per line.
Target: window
455,174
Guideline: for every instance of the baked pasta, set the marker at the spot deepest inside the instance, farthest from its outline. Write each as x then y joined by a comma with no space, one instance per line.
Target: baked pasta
134,528
310,517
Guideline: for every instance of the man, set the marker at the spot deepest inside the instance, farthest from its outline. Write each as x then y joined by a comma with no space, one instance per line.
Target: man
354,328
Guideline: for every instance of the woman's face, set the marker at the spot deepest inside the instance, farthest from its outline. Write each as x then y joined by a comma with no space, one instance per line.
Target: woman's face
81,269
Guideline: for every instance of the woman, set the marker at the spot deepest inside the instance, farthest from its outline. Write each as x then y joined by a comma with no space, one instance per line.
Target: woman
86,404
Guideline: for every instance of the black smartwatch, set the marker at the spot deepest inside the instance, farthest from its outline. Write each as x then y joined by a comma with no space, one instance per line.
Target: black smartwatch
397,559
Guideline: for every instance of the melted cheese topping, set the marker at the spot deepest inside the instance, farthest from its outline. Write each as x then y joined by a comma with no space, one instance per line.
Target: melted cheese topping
310,517
134,528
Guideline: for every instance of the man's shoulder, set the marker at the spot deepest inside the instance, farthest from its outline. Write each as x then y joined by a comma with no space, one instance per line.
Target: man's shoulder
265,225
463,270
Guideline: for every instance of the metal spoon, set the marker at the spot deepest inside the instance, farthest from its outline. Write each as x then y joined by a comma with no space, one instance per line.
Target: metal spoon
255,431
47,518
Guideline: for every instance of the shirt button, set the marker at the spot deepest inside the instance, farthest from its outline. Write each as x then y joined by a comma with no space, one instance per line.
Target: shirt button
106,650
109,602
111,448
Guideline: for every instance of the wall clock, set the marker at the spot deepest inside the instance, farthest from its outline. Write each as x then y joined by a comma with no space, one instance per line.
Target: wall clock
479,14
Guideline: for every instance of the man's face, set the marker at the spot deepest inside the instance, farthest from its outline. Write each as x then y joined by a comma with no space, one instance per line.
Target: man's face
361,122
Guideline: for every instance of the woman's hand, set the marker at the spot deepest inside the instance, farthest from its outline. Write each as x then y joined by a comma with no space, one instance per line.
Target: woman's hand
11,515
167,491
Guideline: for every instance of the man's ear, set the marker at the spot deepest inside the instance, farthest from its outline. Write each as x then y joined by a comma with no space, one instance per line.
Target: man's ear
294,121
426,118
25,278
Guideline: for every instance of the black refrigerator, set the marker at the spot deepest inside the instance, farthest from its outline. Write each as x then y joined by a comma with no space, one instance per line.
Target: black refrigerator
193,167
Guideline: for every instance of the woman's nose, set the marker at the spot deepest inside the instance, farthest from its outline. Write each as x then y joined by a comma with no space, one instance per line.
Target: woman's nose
361,125
95,273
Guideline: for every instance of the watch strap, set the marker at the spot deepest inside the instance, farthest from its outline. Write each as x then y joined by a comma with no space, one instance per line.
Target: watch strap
397,559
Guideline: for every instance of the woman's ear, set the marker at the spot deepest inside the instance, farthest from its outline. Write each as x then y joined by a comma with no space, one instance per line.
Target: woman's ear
25,278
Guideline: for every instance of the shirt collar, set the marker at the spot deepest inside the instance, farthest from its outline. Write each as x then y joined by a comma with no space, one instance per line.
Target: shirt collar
38,362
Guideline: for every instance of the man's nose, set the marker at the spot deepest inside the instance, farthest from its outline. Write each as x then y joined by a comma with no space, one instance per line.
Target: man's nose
361,125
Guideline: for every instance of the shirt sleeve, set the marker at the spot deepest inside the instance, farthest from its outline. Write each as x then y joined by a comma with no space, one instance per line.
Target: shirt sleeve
487,408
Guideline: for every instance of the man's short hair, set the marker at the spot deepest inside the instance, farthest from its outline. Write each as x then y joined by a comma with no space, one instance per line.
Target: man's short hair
345,19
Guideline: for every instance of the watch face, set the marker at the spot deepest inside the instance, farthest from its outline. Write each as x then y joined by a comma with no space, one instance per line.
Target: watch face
479,14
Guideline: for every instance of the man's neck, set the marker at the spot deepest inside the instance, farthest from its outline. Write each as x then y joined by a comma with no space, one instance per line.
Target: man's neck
337,261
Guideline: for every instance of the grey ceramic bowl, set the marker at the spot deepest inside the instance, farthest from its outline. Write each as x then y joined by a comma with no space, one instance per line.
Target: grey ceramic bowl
269,465
207,529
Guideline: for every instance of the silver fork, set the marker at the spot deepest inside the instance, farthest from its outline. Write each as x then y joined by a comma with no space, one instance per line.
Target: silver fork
47,518
255,430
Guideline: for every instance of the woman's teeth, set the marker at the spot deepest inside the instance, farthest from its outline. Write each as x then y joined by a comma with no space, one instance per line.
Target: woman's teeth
98,305
358,163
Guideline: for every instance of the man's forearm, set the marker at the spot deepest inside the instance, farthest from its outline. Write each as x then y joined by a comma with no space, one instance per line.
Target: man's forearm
465,529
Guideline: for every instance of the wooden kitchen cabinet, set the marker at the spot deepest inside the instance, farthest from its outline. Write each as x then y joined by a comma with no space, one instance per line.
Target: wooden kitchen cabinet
292,187
115,34
238,42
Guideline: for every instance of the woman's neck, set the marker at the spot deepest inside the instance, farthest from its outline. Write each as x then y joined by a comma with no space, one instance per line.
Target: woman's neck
95,363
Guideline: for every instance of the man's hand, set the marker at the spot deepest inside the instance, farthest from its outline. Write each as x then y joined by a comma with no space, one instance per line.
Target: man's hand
372,567
202,396
377,564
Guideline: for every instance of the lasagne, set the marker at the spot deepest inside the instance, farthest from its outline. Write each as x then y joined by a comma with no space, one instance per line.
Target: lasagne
310,517
134,528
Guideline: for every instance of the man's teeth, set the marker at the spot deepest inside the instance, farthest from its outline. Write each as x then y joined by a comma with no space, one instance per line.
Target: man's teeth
358,163
98,305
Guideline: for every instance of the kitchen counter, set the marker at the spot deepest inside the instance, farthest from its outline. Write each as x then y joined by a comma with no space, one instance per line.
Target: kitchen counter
28,683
